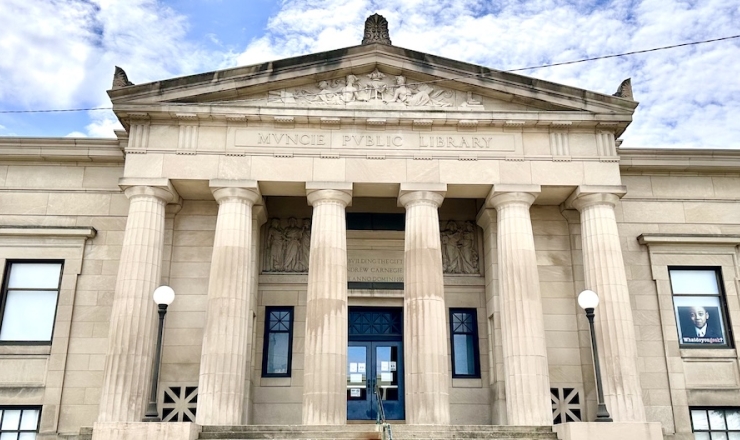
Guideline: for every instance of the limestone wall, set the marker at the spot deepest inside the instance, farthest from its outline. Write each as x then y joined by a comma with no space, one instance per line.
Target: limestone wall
73,212
686,219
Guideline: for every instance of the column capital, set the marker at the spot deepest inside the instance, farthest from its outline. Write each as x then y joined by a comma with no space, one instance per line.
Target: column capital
486,217
414,192
259,214
238,189
501,195
160,188
588,195
323,194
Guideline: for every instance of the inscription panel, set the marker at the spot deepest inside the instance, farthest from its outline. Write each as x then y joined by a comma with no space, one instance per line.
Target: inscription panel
381,140
366,265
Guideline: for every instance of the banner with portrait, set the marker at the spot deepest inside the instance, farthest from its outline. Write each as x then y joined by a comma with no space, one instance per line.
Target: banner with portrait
700,321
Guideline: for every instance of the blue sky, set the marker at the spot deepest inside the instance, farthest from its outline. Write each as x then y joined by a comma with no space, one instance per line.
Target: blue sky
59,54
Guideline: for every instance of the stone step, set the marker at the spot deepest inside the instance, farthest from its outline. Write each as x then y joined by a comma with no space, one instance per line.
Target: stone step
373,432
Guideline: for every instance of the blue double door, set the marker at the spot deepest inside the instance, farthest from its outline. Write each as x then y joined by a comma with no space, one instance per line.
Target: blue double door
375,362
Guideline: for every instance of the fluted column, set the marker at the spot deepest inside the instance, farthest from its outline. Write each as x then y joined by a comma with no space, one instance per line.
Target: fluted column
604,273
226,336
259,217
522,327
128,360
325,374
425,336
486,219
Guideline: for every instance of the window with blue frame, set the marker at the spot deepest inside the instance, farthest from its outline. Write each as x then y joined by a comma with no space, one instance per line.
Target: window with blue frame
276,355
464,343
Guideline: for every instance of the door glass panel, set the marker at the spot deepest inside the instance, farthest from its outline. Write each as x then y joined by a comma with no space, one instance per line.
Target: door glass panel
386,370
357,373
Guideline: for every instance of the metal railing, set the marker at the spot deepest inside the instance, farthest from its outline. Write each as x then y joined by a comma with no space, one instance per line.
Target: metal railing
385,426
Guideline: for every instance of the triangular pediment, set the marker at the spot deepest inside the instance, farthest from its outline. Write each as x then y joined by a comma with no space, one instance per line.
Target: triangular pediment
372,77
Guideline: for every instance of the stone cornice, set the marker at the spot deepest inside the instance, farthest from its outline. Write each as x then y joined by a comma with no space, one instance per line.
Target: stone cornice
60,149
48,231
706,160
209,113
681,239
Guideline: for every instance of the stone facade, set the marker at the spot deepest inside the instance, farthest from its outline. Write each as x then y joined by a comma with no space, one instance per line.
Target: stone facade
282,187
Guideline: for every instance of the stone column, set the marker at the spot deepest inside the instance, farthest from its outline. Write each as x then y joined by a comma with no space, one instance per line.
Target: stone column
604,273
325,374
226,336
486,219
522,324
259,217
128,360
425,335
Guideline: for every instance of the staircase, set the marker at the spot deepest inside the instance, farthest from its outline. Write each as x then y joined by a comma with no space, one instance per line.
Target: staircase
374,432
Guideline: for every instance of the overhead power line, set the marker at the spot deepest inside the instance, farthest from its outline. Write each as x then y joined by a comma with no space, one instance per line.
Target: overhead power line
58,110
472,75
603,57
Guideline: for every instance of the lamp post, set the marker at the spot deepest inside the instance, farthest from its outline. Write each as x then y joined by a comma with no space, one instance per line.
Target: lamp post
588,300
163,296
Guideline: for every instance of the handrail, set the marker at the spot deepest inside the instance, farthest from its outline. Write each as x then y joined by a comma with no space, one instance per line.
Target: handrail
381,415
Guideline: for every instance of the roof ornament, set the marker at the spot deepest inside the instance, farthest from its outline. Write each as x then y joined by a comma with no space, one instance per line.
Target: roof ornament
625,90
376,30
120,79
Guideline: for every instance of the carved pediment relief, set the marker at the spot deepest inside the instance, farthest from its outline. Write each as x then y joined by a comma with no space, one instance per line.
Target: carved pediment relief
378,89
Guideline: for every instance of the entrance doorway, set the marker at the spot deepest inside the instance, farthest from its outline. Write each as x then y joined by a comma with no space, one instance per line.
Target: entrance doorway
375,359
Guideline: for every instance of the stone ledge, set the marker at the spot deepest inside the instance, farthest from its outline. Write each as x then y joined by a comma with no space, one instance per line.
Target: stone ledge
609,431
145,431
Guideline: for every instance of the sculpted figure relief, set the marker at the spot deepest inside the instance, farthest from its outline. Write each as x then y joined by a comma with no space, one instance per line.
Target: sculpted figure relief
275,245
287,248
459,248
375,88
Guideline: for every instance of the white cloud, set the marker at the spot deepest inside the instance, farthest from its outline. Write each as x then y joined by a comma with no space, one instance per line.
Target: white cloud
103,124
62,53
76,134
689,96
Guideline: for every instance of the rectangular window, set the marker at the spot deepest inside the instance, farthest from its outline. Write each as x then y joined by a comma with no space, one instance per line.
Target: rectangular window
699,306
464,342
715,423
19,423
29,301
276,354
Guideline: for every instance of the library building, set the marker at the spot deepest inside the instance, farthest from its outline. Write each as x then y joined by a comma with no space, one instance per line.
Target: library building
369,243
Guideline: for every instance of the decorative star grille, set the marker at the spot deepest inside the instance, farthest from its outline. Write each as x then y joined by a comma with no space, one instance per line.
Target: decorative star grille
566,405
179,403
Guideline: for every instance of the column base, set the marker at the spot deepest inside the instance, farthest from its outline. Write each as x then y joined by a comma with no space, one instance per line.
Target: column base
145,431
609,431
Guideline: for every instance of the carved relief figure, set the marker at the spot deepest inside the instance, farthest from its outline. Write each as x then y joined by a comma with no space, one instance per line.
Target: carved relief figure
451,256
287,248
459,248
420,96
402,93
292,246
468,250
275,246
326,95
349,91
306,243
